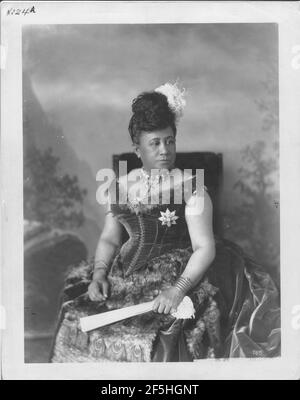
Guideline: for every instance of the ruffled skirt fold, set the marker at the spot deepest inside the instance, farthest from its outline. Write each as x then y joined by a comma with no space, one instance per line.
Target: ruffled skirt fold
237,313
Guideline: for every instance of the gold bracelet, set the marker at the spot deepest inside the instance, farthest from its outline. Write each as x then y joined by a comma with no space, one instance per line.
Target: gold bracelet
184,284
105,266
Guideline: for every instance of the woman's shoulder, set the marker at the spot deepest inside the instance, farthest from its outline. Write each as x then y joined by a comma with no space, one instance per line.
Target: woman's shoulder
192,182
197,199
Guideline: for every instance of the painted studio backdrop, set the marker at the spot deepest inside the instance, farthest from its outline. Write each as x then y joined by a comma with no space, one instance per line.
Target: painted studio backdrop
78,85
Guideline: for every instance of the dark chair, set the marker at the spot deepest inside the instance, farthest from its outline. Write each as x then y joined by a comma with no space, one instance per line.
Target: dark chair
212,163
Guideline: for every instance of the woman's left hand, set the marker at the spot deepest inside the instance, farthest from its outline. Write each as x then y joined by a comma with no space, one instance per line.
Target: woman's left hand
168,300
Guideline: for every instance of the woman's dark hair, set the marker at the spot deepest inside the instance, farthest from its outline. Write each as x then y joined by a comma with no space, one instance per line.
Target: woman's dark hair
151,112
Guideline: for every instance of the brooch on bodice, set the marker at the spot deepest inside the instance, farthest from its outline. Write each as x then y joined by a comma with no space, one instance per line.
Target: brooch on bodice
168,217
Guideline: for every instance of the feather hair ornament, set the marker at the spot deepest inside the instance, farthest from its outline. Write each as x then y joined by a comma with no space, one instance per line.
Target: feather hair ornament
175,96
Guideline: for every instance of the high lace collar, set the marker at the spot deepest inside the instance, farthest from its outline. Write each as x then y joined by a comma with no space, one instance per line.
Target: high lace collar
154,177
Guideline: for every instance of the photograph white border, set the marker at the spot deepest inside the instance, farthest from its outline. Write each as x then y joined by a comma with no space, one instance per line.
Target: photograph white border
287,16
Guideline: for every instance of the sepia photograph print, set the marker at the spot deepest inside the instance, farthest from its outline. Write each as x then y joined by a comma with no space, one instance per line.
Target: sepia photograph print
150,160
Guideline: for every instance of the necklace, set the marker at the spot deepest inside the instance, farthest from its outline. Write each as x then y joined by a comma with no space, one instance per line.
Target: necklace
153,179
149,182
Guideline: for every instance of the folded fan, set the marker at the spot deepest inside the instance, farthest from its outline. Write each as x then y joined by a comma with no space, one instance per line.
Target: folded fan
185,310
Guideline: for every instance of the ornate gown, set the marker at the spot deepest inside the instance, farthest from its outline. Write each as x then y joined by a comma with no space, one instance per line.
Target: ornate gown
236,303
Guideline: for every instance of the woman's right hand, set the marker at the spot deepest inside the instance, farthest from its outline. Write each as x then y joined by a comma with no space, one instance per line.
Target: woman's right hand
98,289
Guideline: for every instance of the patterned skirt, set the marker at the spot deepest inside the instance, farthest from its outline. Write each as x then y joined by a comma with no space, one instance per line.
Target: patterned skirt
236,305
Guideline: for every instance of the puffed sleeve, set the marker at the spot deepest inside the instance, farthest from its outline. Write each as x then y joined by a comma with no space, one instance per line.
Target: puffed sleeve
193,188
195,196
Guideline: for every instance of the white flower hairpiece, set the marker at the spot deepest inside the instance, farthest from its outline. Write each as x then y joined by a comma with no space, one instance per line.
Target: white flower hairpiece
175,96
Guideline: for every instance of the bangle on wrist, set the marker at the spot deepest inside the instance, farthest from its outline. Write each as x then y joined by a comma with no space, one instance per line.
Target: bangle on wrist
99,264
99,273
183,284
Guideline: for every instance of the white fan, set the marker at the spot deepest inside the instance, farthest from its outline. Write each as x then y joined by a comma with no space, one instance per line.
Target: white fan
185,310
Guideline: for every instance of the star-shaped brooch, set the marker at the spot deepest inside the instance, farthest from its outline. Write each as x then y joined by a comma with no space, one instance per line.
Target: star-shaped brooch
168,218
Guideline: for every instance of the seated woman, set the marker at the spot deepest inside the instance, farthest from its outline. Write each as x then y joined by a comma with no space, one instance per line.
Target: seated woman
171,252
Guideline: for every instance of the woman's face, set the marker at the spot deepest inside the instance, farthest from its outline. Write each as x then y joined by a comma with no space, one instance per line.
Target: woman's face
157,149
